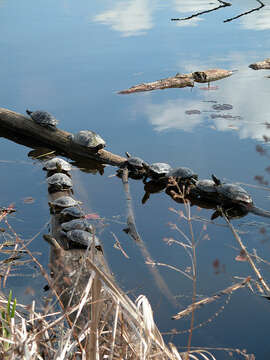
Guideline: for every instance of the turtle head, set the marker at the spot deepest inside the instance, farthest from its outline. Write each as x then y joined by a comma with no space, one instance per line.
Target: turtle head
70,137
216,180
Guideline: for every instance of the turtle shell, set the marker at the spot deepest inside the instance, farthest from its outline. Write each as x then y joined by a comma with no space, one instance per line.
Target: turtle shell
57,164
135,163
82,237
183,173
63,202
157,170
89,139
43,118
79,224
58,182
207,185
235,193
71,212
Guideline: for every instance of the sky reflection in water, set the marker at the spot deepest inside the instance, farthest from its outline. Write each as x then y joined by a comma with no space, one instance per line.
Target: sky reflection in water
73,69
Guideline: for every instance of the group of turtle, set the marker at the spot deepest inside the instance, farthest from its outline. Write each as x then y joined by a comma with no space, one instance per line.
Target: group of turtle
74,227
224,196
86,138
182,183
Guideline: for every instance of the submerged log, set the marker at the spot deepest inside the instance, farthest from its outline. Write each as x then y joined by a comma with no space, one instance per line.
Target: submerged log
261,65
23,126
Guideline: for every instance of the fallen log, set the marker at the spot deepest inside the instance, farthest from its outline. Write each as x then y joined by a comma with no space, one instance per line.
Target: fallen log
23,126
261,65
170,82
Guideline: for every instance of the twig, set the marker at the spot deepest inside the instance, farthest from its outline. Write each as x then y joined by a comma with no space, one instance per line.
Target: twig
210,299
246,253
118,245
223,4
247,12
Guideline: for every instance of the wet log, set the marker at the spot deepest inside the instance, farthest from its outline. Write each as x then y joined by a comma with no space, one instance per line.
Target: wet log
261,65
23,126
168,83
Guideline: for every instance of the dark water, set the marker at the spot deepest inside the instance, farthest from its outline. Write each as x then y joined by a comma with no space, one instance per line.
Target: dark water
71,59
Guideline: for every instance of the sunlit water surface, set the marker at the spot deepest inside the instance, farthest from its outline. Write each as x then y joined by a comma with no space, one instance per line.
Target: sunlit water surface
71,58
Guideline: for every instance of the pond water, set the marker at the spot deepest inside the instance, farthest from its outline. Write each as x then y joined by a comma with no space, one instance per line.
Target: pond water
71,59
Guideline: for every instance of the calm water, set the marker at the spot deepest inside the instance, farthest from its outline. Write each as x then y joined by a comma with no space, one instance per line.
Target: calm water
71,60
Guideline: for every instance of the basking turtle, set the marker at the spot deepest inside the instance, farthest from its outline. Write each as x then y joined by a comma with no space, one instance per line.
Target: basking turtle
59,182
136,166
57,165
204,188
77,224
183,175
157,171
88,139
70,213
232,195
43,118
62,202
83,238
232,192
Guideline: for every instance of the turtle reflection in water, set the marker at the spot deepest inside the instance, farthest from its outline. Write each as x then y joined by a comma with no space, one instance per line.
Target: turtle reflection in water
232,196
43,118
88,139
152,187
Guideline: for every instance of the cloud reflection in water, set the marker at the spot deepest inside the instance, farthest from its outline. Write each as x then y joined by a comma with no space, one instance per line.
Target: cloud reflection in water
128,17
247,92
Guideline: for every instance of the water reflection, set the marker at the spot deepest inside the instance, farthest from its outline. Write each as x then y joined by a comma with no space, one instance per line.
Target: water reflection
259,21
241,115
129,17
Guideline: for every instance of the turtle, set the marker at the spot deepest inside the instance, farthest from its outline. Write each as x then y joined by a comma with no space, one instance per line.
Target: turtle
88,139
233,195
136,166
204,188
62,202
79,224
183,175
72,212
43,118
59,182
232,192
57,164
157,171
82,238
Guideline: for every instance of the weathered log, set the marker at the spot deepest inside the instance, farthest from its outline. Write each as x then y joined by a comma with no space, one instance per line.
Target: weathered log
170,82
261,65
54,139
